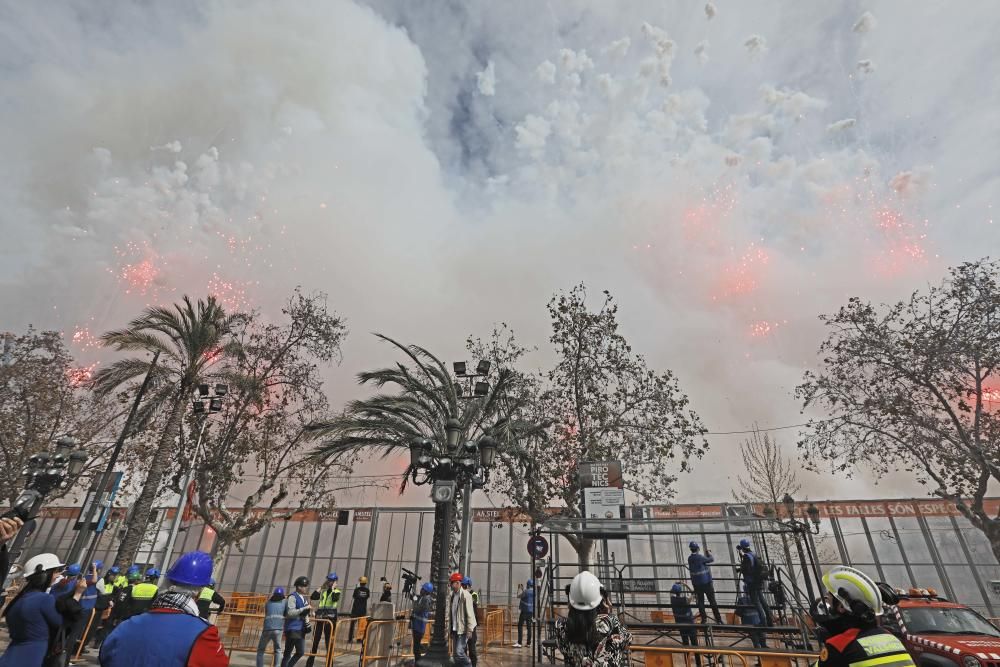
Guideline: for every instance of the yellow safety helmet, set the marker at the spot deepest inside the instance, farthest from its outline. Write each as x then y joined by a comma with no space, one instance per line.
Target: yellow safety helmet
363,580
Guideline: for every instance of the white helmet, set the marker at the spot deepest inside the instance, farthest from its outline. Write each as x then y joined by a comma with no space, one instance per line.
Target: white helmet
43,563
585,592
849,585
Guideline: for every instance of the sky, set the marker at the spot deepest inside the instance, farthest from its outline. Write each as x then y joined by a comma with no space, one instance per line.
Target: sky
727,170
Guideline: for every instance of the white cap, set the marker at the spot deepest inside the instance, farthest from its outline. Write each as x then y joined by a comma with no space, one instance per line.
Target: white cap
585,591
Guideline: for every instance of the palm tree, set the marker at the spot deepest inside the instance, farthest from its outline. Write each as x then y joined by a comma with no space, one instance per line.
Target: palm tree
193,341
425,399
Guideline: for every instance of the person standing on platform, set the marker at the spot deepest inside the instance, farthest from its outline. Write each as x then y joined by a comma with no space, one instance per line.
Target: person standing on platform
327,601
680,605
701,580
755,575
747,611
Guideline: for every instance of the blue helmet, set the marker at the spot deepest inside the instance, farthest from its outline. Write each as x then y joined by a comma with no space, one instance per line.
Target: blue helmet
428,587
694,546
332,576
134,573
677,589
152,573
134,568
98,564
73,570
531,583
466,581
279,591
192,569
114,569
744,543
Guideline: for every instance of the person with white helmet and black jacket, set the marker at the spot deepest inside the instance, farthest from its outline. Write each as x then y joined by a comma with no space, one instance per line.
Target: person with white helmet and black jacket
847,616
37,621
588,635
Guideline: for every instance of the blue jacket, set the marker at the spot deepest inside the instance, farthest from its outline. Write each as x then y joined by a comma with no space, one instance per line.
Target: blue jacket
421,614
274,615
701,573
528,601
163,639
30,620
681,608
295,623
62,587
89,598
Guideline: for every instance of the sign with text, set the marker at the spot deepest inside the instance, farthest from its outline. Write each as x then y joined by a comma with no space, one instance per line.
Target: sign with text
633,585
363,515
603,502
105,497
600,473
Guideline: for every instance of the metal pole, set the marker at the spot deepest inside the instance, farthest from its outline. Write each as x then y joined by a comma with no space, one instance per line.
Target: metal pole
805,565
437,652
176,525
465,544
813,558
109,470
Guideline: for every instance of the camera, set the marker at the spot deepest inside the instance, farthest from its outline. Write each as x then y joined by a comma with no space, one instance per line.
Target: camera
410,579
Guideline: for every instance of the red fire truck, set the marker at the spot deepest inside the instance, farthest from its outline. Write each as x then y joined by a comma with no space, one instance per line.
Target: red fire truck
939,633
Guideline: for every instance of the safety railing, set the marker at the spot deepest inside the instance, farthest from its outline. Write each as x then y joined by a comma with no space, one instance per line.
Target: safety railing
242,632
663,656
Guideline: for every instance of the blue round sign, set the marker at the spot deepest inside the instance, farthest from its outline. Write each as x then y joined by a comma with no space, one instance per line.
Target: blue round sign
538,547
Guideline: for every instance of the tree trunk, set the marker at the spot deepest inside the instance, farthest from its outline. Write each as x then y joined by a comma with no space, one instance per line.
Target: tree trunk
138,521
219,554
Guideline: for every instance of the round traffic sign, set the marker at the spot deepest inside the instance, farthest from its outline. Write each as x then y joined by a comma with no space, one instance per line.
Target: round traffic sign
538,547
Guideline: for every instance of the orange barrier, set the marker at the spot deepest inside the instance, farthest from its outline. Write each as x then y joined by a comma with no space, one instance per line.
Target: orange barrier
378,646
663,656
241,632
492,629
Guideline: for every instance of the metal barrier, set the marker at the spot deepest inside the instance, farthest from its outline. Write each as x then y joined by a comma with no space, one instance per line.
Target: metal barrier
663,656
493,629
241,632
383,641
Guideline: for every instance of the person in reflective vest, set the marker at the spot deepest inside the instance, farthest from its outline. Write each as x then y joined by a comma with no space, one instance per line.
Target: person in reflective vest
170,634
102,625
297,611
848,616
207,598
141,598
122,598
327,600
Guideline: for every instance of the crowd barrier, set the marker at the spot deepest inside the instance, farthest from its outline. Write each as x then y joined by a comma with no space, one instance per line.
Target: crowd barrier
492,630
241,632
664,656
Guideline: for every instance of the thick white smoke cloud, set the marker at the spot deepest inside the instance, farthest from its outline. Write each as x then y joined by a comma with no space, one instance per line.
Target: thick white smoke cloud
436,169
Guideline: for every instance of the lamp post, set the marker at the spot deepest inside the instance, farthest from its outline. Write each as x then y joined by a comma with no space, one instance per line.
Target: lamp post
447,468
44,473
207,402
808,529
477,387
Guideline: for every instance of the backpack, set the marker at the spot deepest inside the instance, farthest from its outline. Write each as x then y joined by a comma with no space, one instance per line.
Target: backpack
760,570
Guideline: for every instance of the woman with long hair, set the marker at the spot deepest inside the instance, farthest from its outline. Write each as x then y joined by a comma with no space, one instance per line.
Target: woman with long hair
37,620
591,636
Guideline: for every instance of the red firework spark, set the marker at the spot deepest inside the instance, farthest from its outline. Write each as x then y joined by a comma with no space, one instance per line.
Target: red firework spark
78,377
231,294
741,276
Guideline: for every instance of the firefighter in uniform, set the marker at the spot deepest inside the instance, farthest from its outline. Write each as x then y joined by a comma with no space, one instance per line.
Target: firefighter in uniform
848,615
327,600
